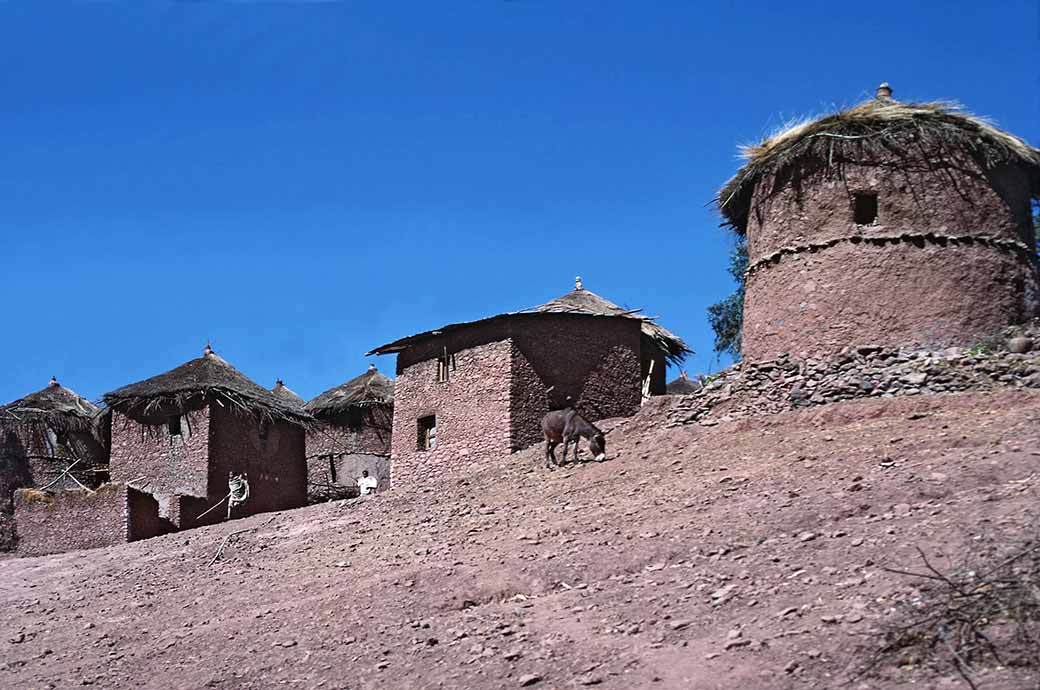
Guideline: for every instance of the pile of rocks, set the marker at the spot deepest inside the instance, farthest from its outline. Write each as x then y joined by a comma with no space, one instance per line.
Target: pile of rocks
769,387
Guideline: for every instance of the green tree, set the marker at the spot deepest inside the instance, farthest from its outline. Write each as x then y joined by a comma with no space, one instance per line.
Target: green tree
727,317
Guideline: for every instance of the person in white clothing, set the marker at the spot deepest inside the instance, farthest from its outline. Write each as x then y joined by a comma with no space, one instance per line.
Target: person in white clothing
367,485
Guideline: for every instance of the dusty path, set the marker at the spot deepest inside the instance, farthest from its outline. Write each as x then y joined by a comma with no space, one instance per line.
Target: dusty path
743,555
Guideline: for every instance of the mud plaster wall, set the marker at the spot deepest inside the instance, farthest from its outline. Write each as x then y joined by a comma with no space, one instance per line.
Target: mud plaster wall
71,520
816,300
472,411
276,467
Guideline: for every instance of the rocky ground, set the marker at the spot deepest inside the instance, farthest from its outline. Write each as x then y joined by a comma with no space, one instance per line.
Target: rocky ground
745,554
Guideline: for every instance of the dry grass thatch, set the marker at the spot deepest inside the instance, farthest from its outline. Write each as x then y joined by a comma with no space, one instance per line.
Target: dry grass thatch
879,129
579,302
196,383
54,407
287,395
371,388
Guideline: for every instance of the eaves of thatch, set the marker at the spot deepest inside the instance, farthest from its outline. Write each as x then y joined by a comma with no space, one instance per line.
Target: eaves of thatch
371,388
197,383
54,407
579,302
881,129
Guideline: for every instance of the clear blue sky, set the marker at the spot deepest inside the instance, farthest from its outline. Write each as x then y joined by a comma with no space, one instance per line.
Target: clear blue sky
302,182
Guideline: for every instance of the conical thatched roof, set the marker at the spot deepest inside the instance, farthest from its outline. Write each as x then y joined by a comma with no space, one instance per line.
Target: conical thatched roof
581,301
869,132
578,301
286,394
684,385
371,388
55,407
192,384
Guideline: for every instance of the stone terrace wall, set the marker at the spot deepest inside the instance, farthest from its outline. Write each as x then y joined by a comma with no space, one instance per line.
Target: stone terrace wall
949,258
472,410
769,387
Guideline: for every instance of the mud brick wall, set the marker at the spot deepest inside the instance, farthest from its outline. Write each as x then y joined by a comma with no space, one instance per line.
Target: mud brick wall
70,520
472,410
947,259
162,464
276,467
143,520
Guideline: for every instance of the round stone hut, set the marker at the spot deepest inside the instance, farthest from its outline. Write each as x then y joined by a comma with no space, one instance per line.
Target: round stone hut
47,441
889,223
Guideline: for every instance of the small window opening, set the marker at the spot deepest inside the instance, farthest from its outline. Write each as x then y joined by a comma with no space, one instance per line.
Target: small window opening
265,428
173,425
445,365
864,208
427,433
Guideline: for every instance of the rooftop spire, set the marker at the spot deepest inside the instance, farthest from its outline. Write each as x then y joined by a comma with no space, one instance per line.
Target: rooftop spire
53,382
577,283
371,367
208,350
278,383
884,92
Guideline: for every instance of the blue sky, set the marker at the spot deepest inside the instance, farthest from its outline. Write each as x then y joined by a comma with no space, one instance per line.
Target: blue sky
300,182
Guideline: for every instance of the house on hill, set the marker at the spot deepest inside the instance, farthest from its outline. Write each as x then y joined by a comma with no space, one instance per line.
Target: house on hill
355,422
889,223
181,436
47,441
472,390
684,385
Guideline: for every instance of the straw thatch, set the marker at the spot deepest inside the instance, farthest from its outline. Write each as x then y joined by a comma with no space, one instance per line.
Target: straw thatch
879,130
579,302
286,394
371,388
684,385
54,407
196,383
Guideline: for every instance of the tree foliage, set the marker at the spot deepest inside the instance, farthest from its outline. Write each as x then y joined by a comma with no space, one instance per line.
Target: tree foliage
727,317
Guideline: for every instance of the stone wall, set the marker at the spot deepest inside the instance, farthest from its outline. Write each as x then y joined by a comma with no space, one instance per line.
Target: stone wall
948,259
70,520
275,466
759,388
339,449
161,463
471,409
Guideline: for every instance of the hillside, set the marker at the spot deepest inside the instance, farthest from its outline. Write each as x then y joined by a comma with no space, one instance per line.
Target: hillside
745,554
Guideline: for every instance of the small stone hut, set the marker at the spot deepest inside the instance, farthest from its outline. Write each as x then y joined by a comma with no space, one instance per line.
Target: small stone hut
470,391
355,422
889,223
47,441
180,435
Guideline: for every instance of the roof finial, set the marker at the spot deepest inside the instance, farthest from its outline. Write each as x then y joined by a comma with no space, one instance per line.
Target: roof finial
577,283
884,91
371,367
208,350
53,382
278,383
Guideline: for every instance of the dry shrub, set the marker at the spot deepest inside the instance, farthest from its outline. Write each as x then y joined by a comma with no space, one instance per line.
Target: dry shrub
984,613
35,496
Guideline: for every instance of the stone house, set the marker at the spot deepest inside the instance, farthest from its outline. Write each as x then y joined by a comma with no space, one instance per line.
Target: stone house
47,442
469,391
886,224
181,435
355,421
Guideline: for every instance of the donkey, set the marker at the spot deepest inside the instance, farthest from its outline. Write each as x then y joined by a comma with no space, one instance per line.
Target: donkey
567,426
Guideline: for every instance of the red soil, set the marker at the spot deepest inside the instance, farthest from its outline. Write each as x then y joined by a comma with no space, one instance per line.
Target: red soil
635,572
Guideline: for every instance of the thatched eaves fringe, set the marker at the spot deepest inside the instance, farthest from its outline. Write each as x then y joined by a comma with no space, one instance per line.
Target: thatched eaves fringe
878,130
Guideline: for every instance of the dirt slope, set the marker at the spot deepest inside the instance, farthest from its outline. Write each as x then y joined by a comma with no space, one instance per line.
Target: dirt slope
742,555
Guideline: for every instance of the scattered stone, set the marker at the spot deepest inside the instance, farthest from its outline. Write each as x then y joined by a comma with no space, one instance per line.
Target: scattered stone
806,536
529,679
733,644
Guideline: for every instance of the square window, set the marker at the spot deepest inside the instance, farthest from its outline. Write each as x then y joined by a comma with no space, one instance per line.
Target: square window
864,208
427,437
173,425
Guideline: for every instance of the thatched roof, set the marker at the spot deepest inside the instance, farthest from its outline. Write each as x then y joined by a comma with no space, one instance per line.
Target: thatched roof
578,301
684,385
55,407
286,394
371,388
877,129
193,384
